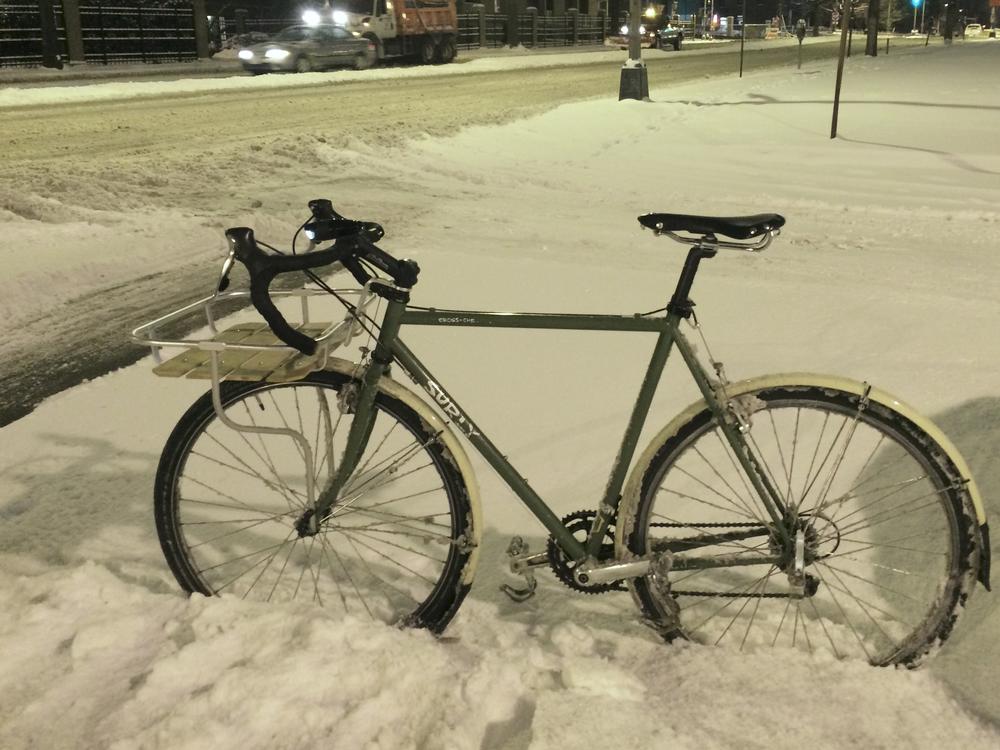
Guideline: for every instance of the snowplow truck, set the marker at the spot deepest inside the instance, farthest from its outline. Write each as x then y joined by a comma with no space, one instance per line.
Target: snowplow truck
425,29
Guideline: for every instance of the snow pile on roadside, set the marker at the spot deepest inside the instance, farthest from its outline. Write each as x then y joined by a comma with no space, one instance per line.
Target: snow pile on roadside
885,271
92,661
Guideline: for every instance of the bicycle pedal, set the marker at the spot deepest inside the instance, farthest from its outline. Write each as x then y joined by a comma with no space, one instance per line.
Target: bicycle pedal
519,596
521,562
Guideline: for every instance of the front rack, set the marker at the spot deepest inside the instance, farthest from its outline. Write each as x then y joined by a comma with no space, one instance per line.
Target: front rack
249,351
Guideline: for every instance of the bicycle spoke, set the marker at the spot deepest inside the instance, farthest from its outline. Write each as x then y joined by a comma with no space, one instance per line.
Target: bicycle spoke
347,572
781,622
753,615
266,459
240,530
241,507
704,502
735,501
281,488
253,474
354,533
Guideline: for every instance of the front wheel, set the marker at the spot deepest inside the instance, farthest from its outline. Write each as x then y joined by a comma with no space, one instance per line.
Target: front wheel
885,543
229,505
367,58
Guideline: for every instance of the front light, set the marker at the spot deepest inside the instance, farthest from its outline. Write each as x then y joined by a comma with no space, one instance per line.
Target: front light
340,17
245,54
642,29
624,29
277,54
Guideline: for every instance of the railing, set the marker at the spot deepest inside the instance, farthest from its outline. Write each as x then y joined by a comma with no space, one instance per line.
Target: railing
591,29
139,32
496,29
21,34
492,33
554,31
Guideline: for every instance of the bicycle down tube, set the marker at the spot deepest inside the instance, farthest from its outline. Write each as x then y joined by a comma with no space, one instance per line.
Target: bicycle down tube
390,346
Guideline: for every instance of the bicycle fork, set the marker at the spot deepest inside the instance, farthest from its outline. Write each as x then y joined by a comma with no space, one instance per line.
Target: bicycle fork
358,400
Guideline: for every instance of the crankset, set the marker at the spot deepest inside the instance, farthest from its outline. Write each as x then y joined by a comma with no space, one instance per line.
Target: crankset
578,524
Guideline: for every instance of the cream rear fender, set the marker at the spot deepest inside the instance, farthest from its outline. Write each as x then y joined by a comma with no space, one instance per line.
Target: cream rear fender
424,410
630,494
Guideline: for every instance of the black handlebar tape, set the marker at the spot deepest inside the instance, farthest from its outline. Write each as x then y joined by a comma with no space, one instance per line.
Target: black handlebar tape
263,268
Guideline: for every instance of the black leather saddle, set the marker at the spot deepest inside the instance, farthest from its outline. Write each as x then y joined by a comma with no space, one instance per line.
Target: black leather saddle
735,227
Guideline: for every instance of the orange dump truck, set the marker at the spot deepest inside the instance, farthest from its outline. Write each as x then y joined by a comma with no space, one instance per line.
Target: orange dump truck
425,29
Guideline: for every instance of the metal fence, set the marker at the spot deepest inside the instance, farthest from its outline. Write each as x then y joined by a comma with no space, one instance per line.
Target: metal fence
138,32
495,28
554,31
21,34
591,29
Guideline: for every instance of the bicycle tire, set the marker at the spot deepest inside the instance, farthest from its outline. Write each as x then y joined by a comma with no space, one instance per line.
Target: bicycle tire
226,503
887,523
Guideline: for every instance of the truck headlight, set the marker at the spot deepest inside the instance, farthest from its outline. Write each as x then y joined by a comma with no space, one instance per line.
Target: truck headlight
277,54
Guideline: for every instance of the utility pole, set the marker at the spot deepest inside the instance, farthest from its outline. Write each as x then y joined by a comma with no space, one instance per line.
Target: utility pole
840,68
634,82
50,38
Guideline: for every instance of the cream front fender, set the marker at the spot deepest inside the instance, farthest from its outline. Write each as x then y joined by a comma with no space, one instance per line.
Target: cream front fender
630,495
393,388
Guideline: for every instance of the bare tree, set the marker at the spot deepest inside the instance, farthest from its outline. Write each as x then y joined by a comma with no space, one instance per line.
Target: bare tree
871,43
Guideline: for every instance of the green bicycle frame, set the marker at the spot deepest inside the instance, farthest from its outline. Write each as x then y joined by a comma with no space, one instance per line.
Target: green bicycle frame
390,347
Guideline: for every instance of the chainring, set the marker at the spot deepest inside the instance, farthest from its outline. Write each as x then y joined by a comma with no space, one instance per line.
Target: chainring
578,524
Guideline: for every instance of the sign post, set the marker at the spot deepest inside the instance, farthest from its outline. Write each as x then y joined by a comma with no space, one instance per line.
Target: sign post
634,83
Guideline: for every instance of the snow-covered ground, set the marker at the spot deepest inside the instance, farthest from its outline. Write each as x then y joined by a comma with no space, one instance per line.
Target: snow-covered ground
887,271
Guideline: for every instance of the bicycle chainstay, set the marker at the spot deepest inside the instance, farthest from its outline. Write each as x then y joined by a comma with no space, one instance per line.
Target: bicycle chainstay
718,594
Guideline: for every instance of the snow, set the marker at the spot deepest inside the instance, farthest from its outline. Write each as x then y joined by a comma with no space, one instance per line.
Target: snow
886,271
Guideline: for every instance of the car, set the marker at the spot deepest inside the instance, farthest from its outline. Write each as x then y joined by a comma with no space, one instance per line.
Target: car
973,29
652,35
307,47
668,36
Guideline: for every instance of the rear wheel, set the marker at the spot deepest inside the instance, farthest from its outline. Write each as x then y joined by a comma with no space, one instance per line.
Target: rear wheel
445,52
229,506
887,545
428,51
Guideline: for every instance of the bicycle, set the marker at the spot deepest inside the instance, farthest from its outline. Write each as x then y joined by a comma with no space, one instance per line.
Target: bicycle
796,510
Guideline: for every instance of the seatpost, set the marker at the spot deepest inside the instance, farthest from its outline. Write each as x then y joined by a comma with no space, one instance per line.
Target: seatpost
680,304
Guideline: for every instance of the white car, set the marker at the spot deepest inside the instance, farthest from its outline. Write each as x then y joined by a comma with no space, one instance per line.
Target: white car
974,29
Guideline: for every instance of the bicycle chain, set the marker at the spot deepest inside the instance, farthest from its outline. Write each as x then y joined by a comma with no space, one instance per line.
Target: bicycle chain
718,594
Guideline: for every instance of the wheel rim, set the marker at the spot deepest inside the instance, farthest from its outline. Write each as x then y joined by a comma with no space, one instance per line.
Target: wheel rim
880,526
302,65
386,550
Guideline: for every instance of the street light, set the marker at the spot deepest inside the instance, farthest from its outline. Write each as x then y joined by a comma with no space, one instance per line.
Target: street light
915,4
